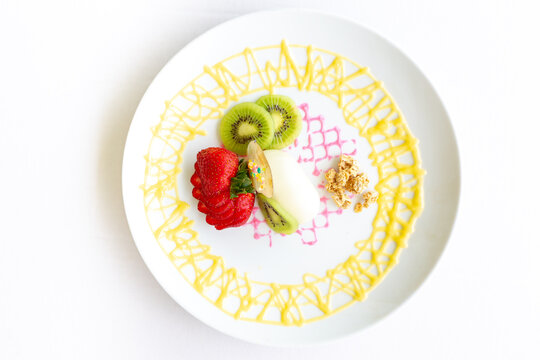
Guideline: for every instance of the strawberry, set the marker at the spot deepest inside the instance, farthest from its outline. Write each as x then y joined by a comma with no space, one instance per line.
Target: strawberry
214,219
223,188
196,193
202,208
243,205
216,200
211,221
226,215
216,167
195,180
228,205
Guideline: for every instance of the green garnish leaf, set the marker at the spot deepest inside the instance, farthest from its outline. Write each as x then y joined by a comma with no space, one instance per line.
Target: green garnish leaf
241,183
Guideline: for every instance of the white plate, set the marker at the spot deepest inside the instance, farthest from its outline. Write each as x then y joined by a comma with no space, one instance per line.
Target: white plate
288,258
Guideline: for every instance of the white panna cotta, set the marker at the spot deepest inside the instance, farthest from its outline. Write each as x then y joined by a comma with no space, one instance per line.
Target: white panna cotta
292,188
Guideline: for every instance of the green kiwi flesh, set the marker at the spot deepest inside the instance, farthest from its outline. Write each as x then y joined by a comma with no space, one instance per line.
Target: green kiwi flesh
286,116
276,217
243,123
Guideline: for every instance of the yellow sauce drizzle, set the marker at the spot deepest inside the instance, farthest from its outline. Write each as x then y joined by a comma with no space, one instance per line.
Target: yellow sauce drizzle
366,105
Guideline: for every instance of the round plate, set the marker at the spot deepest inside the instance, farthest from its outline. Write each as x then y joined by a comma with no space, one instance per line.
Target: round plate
311,286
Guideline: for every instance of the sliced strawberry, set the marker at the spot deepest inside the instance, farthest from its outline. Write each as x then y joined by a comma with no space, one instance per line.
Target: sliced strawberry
218,176
213,221
243,206
216,167
195,180
227,206
202,208
226,215
222,215
197,194
219,212
217,200
210,220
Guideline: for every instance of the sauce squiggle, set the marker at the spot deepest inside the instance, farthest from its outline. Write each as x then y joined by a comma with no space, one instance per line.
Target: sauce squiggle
365,105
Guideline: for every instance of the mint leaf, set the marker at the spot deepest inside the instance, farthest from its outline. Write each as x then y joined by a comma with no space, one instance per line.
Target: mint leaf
241,183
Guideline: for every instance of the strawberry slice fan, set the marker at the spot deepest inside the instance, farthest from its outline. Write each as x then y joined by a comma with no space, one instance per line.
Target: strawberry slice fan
222,185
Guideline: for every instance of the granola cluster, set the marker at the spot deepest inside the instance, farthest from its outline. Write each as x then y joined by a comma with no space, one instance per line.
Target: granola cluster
368,198
348,178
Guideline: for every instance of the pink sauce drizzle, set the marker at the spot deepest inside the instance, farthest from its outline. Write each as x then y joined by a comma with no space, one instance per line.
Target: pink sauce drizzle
329,148
322,144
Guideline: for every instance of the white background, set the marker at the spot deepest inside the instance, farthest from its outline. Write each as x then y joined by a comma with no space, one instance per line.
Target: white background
72,284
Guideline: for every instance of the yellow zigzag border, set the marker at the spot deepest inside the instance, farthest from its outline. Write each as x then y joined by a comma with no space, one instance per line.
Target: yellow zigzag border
366,105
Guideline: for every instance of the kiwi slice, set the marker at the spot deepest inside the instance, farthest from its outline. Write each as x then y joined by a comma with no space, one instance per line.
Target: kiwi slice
287,119
276,217
243,123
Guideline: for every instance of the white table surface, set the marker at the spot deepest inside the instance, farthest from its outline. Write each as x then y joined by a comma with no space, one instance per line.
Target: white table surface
72,284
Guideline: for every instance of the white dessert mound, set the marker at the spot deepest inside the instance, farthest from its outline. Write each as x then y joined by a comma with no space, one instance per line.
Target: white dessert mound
292,188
